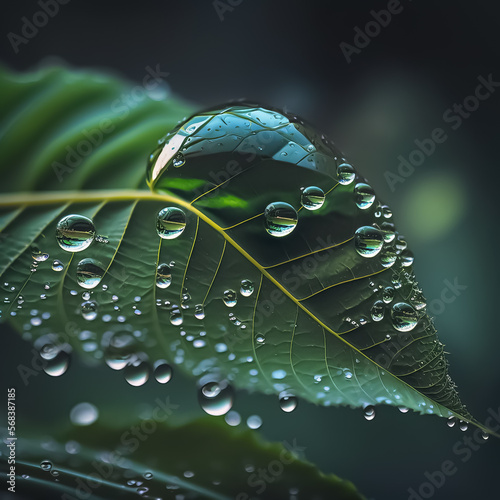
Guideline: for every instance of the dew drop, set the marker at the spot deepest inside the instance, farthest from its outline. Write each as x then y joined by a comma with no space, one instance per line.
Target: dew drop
199,311
254,421
230,298
176,317
403,409
89,310
388,294
83,414
247,288
37,255
312,198
365,196
178,160
46,465
369,412
288,403
163,276
89,273
57,365
233,418
75,233
278,374
162,372
368,241
345,174
148,475
137,373
280,219
377,311
170,223
404,317
216,398
388,256
407,258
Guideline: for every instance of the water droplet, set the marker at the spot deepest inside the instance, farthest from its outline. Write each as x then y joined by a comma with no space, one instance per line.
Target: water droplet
58,364
83,414
403,409
404,317
451,421
162,372
163,276
388,256
37,255
176,317
260,338
220,347
369,412
137,373
368,241
388,294
89,273
199,311
401,243
280,219
365,196
247,288
75,233
288,403
407,258
463,426
89,310
378,310
278,374
312,198
46,465
254,421
345,173
170,223
178,160
216,398
347,374
230,298
233,418
387,212
148,475
198,343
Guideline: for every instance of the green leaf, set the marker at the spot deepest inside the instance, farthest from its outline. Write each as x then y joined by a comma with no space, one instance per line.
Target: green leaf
307,329
108,463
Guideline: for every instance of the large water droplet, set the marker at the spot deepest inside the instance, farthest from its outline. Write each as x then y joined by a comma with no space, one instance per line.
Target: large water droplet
162,372
163,276
230,298
312,198
404,317
247,288
89,310
75,233
58,364
89,273
170,223
120,350
83,414
216,398
345,173
368,241
137,373
280,219
369,412
365,196
288,403
378,310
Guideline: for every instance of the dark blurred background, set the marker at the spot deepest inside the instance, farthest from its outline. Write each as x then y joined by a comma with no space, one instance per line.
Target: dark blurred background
395,90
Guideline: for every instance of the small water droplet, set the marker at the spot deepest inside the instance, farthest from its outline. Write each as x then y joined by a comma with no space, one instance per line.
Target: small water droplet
46,465
280,219
403,409
278,374
260,338
232,418
176,317
404,317
178,160
199,311
254,421
407,258
312,198
369,412
83,414
365,196
247,288
148,475
230,298
75,233
216,398
368,241
89,310
388,256
58,364
345,173
162,372
37,255
377,311
388,294
288,403
170,223
137,373
89,273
